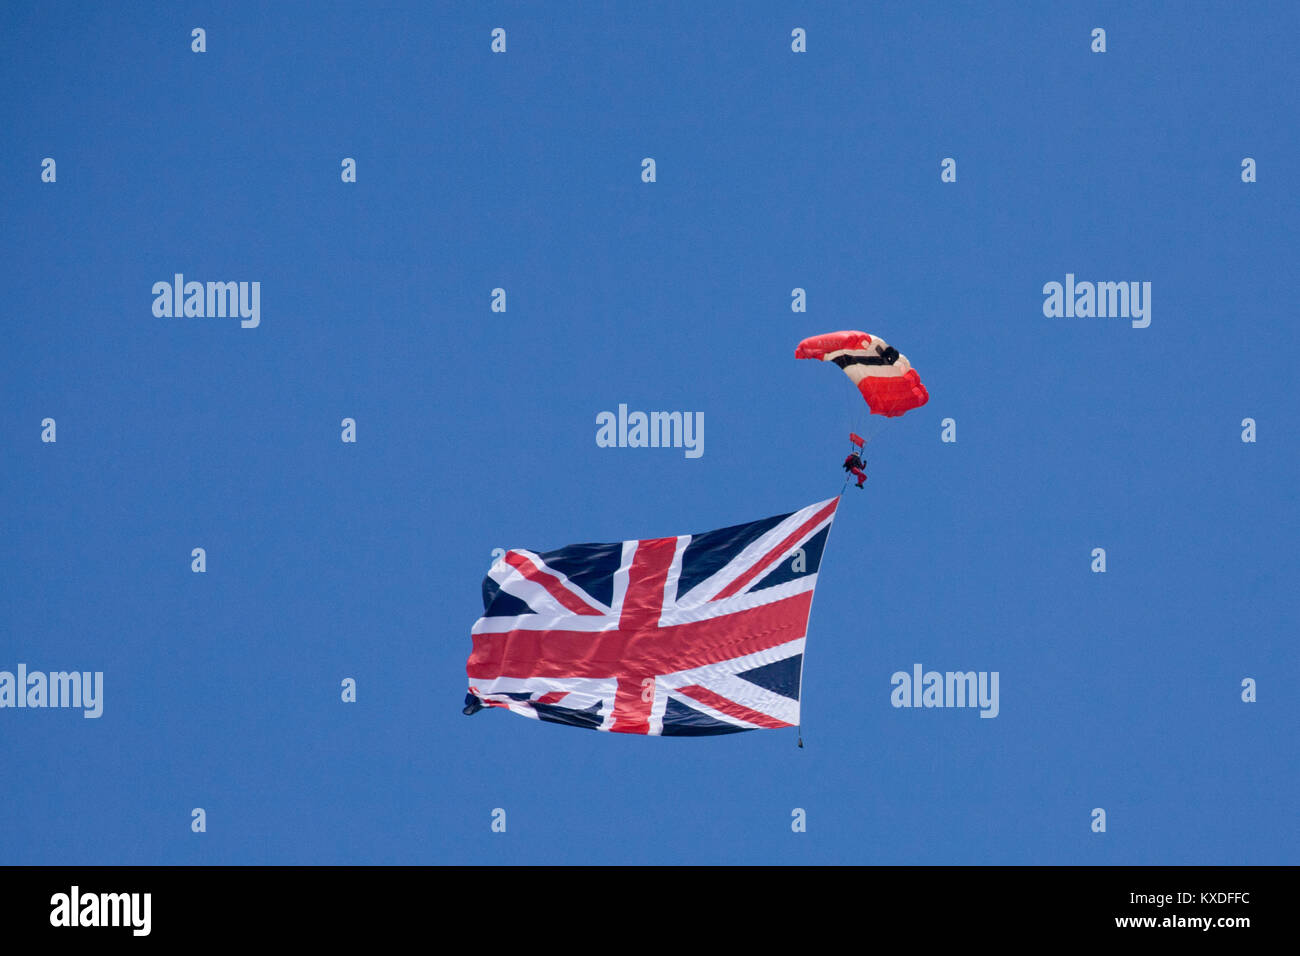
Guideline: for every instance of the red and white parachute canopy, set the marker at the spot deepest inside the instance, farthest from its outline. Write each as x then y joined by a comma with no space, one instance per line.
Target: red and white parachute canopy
885,377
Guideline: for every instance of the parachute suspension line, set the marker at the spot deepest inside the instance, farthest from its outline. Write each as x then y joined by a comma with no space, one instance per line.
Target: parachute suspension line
861,433
858,413
803,658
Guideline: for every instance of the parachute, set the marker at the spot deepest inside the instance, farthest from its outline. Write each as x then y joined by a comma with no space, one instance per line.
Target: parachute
885,377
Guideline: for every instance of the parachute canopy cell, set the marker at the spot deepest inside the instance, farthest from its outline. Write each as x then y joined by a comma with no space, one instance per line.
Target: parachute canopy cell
885,377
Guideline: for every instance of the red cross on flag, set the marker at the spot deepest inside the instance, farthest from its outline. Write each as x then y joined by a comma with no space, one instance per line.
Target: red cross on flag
688,635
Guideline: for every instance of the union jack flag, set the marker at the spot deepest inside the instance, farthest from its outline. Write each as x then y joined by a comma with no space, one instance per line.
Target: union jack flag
688,635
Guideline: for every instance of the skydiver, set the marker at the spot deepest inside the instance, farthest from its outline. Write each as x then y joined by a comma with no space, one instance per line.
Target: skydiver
855,464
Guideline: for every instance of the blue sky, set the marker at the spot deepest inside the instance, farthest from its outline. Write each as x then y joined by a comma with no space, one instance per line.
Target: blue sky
476,429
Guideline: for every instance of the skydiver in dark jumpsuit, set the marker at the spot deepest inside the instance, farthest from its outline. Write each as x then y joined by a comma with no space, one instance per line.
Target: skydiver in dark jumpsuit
855,465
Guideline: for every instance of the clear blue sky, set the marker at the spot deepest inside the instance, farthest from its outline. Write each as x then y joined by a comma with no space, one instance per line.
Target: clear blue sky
476,429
